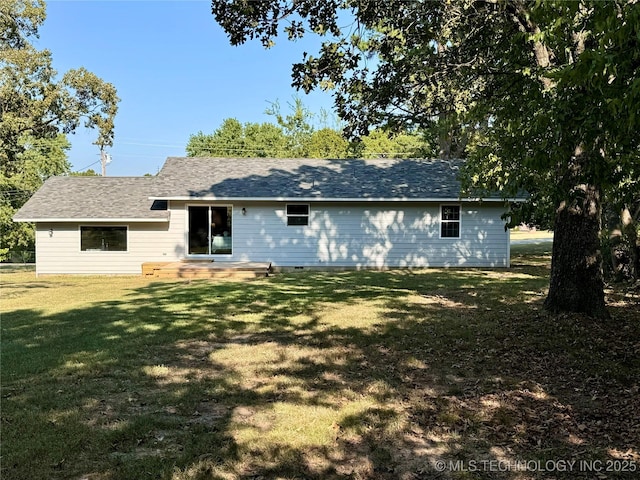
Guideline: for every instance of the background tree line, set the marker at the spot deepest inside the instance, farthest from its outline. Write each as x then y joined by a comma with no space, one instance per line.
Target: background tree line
38,109
304,134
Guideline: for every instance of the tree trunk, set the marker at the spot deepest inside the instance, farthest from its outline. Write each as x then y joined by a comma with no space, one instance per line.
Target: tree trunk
576,268
630,237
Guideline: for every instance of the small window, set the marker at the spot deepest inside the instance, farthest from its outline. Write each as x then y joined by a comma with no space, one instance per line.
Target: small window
103,239
160,205
450,221
297,214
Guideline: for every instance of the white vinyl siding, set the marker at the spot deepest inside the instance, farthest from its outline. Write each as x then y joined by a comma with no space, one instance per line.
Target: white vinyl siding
58,248
354,235
369,235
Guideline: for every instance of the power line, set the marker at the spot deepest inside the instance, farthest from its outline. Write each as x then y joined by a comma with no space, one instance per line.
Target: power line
91,165
160,145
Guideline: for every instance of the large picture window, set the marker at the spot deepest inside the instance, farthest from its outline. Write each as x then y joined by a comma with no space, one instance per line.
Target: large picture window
297,214
103,239
450,221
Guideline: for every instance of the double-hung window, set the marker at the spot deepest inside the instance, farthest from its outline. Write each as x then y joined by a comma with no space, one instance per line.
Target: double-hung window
450,221
297,214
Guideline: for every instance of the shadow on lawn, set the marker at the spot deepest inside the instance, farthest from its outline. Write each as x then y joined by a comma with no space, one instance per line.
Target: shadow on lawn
355,374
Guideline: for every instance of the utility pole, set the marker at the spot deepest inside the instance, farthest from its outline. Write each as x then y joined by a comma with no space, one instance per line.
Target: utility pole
103,161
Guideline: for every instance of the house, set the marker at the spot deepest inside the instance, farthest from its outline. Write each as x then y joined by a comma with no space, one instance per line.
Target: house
290,212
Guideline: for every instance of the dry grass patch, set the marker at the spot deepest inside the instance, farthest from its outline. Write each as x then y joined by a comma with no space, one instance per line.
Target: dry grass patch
361,375
517,234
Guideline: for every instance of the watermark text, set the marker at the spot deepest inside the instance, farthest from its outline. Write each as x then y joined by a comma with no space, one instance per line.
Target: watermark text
595,466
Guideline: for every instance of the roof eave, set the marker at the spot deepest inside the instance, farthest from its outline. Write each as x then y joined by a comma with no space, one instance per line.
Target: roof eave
339,199
91,220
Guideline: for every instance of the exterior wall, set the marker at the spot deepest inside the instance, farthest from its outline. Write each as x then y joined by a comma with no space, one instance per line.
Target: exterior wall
58,248
365,235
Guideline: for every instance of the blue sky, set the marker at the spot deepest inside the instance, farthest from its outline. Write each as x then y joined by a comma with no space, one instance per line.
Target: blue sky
175,73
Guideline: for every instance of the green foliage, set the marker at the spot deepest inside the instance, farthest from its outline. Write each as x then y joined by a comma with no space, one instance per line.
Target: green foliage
296,136
38,160
540,78
20,20
233,139
383,144
326,143
545,94
296,126
266,140
33,102
37,111
90,173
96,100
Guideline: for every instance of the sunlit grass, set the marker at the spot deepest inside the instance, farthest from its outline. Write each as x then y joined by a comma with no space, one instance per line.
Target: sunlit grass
517,234
308,375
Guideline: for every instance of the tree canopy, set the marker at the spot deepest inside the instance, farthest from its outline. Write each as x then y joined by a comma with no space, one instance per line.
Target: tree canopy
38,160
297,135
32,100
233,139
555,83
37,108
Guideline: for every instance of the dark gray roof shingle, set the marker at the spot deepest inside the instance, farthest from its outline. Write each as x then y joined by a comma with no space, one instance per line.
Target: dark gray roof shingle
242,178
261,178
92,198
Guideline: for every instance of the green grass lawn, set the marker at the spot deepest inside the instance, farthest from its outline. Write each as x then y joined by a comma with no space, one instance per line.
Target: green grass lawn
315,375
531,234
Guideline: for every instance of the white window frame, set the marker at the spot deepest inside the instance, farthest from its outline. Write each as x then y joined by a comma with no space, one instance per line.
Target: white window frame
108,252
443,221
301,215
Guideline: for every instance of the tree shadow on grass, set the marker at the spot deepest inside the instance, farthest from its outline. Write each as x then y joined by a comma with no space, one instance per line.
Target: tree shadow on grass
316,375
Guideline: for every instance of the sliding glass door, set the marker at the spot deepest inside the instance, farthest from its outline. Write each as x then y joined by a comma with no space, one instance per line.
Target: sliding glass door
210,230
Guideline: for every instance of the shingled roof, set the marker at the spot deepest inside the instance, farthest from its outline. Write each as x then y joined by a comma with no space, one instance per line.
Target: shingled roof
308,179
92,199
186,178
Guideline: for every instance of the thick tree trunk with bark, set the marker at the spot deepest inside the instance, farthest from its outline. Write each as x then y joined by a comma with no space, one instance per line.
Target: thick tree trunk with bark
576,268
